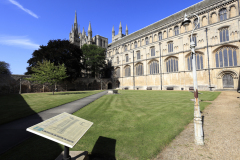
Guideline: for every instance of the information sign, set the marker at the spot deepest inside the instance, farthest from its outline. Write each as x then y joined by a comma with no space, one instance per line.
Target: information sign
64,128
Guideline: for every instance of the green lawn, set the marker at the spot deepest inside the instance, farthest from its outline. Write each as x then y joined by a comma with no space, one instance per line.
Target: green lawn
16,106
131,125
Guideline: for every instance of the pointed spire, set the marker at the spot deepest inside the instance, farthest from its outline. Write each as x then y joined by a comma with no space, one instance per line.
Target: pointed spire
113,29
75,20
89,27
126,30
83,32
120,25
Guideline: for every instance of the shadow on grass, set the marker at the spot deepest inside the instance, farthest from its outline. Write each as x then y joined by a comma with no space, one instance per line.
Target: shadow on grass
104,149
13,134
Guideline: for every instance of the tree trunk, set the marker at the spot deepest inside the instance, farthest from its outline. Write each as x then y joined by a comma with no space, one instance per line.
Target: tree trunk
53,89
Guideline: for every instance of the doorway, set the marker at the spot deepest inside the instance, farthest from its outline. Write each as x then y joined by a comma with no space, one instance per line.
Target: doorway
227,81
110,85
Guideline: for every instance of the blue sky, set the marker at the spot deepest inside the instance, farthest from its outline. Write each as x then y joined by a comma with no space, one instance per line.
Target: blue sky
26,24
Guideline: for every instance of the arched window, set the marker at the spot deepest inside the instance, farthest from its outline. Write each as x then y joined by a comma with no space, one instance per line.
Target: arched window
125,48
117,60
103,43
172,64
224,36
146,40
153,51
198,61
127,71
170,47
226,56
196,24
176,30
138,55
126,57
223,14
154,67
117,72
135,44
139,69
160,36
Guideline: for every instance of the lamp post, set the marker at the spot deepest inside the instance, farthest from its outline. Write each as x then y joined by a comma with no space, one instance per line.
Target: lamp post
198,128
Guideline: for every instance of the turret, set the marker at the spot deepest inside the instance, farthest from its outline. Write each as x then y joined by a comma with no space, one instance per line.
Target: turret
89,34
113,32
126,30
120,29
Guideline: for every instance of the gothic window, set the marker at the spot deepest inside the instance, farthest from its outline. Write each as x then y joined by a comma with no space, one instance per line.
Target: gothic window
103,43
196,24
146,40
117,72
153,51
127,71
224,36
154,67
198,61
194,38
117,60
226,57
135,44
139,69
126,57
138,55
170,47
223,14
172,64
160,36
125,48
176,30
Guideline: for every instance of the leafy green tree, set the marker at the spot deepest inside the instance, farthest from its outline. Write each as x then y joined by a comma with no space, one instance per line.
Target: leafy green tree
4,68
93,58
47,72
59,52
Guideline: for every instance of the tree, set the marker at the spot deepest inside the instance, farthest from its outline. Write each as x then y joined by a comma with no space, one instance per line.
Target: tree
59,52
4,68
47,72
94,58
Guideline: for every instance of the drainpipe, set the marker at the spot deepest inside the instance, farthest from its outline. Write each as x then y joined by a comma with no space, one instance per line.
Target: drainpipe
160,63
208,62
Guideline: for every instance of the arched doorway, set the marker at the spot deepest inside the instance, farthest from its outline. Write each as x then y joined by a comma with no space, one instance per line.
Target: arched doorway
109,85
227,81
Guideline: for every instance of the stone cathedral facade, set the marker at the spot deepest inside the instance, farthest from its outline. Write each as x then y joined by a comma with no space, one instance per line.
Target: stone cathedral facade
79,39
159,57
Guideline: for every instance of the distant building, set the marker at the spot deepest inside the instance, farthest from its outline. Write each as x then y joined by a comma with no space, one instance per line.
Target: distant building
79,39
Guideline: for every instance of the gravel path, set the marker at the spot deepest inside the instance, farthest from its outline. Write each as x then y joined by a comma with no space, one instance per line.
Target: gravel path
221,133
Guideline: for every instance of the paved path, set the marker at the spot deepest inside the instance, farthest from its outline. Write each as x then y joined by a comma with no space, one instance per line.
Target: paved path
221,133
13,133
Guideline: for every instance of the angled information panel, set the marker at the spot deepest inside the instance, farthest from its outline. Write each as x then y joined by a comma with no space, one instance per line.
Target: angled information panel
64,128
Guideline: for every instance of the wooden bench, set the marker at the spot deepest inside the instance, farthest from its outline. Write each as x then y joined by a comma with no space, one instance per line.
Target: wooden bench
149,88
169,88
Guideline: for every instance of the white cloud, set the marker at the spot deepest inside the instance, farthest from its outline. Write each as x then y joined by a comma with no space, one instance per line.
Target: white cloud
22,8
19,41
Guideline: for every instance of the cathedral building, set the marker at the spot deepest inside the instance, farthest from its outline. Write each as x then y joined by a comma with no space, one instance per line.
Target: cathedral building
79,39
158,56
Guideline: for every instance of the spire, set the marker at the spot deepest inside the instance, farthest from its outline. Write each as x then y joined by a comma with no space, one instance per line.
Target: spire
89,27
120,25
75,20
126,30
79,31
83,32
113,29
120,29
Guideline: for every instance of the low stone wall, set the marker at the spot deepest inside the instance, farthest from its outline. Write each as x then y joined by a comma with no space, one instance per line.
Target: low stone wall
11,84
